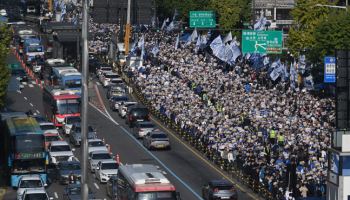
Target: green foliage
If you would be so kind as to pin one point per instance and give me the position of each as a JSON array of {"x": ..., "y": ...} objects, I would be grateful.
[
  {"x": 5, "y": 40},
  {"x": 307, "y": 16}
]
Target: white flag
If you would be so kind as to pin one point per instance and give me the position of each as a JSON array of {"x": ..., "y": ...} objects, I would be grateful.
[
  {"x": 216, "y": 45},
  {"x": 141, "y": 42},
  {"x": 228, "y": 38}
]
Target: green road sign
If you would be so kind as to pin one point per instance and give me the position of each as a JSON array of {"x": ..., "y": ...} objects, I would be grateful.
[
  {"x": 202, "y": 19},
  {"x": 270, "y": 42}
]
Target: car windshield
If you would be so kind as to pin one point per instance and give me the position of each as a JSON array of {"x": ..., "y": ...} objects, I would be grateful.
[
  {"x": 51, "y": 138},
  {"x": 76, "y": 83},
  {"x": 34, "y": 49},
  {"x": 30, "y": 184},
  {"x": 159, "y": 136},
  {"x": 31, "y": 165},
  {"x": 146, "y": 125},
  {"x": 72, "y": 120},
  {"x": 70, "y": 166},
  {"x": 101, "y": 156},
  {"x": 106, "y": 69},
  {"x": 36, "y": 196},
  {"x": 223, "y": 187},
  {"x": 109, "y": 166},
  {"x": 60, "y": 148},
  {"x": 117, "y": 81},
  {"x": 47, "y": 127},
  {"x": 74, "y": 191},
  {"x": 29, "y": 143},
  {"x": 111, "y": 76},
  {"x": 96, "y": 144},
  {"x": 156, "y": 196},
  {"x": 69, "y": 106},
  {"x": 120, "y": 98}
]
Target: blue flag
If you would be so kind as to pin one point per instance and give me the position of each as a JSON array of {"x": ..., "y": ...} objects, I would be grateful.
[{"x": 177, "y": 42}]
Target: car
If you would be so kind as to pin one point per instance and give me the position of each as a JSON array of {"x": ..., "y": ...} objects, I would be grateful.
[
  {"x": 106, "y": 78},
  {"x": 48, "y": 127},
  {"x": 136, "y": 113},
  {"x": 76, "y": 127},
  {"x": 156, "y": 140},
  {"x": 29, "y": 181},
  {"x": 37, "y": 64},
  {"x": 65, "y": 168},
  {"x": 141, "y": 128},
  {"x": 116, "y": 90},
  {"x": 73, "y": 192},
  {"x": 97, "y": 156},
  {"x": 123, "y": 108},
  {"x": 50, "y": 137},
  {"x": 111, "y": 187},
  {"x": 116, "y": 101},
  {"x": 75, "y": 136},
  {"x": 68, "y": 123},
  {"x": 60, "y": 151},
  {"x": 106, "y": 169},
  {"x": 35, "y": 194},
  {"x": 96, "y": 145},
  {"x": 102, "y": 69},
  {"x": 3, "y": 12},
  {"x": 20, "y": 74},
  {"x": 219, "y": 189}
]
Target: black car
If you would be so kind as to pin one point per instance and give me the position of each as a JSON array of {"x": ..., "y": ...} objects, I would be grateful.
[
  {"x": 65, "y": 168},
  {"x": 219, "y": 189},
  {"x": 20, "y": 73},
  {"x": 137, "y": 113}
]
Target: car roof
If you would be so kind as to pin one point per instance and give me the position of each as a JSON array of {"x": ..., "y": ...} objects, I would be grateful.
[
  {"x": 110, "y": 73},
  {"x": 95, "y": 140},
  {"x": 108, "y": 161},
  {"x": 144, "y": 122},
  {"x": 220, "y": 183},
  {"x": 68, "y": 162},
  {"x": 58, "y": 143},
  {"x": 99, "y": 152},
  {"x": 35, "y": 190}
]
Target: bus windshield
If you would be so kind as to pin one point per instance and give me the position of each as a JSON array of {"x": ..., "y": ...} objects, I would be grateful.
[
  {"x": 156, "y": 196},
  {"x": 69, "y": 106},
  {"x": 29, "y": 143},
  {"x": 26, "y": 166},
  {"x": 75, "y": 83},
  {"x": 34, "y": 49}
]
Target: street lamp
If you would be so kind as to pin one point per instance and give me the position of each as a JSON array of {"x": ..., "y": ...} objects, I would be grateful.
[{"x": 332, "y": 6}]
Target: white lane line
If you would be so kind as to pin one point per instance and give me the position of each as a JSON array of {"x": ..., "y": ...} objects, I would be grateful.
[
  {"x": 31, "y": 85},
  {"x": 56, "y": 195},
  {"x": 19, "y": 91},
  {"x": 98, "y": 83},
  {"x": 96, "y": 186},
  {"x": 31, "y": 104},
  {"x": 25, "y": 98},
  {"x": 150, "y": 153},
  {"x": 24, "y": 83},
  {"x": 38, "y": 111},
  {"x": 33, "y": 82}
]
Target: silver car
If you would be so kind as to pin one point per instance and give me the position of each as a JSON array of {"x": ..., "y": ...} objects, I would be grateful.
[
  {"x": 98, "y": 156},
  {"x": 156, "y": 140},
  {"x": 122, "y": 110}
]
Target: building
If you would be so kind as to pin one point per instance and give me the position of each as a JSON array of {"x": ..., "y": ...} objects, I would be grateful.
[{"x": 115, "y": 11}]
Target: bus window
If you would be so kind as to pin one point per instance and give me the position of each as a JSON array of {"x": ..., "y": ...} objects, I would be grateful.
[{"x": 68, "y": 106}]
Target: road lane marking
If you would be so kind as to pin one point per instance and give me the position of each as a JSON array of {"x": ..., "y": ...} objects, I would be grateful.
[
  {"x": 56, "y": 195},
  {"x": 38, "y": 111},
  {"x": 30, "y": 85},
  {"x": 31, "y": 104},
  {"x": 25, "y": 98},
  {"x": 101, "y": 102},
  {"x": 96, "y": 186},
  {"x": 24, "y": 83},
  {"x": 33, "y": 82},
  {"x": 150, "y": 153},
  {"x": 19, "y": 91},
  {"x": 98, "y": 83}
]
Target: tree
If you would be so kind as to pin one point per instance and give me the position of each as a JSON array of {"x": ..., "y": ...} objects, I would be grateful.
[
  {"x": 307, "y": 16},
  {"x": 5, "y": 40}
]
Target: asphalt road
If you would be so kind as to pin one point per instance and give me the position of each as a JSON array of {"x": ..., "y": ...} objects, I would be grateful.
[{"x": 185, "y": 168}]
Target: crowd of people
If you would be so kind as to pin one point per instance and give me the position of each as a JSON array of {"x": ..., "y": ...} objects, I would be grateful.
[
  {"x": 100, "y": 36},
  {"x": 276, "y": 134}
]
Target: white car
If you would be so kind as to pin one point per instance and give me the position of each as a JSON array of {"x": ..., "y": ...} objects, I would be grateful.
[
  {"x": 108, "y": 77},
  {"x": 96, "y": 145},
  {"x": 60, "y": 151},
  {"x": 39, "y": 194},
  {"x": 68, "y": 123},
  {"x": 102, "y": 70},
  {"x": 122, "y": 110},
  {"x": 3, "y": 12},
  {"x": 29, "y": 181},
  {"x": 105, "y": 169},
  {"x": 97, "y": 156},
  {"x": 48, "y": 127}
]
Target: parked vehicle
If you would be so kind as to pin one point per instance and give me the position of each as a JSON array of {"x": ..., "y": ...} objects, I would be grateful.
[
  {"x": 73, "y": 192},
  {"x": 156, "y": 140},
  {"x": 29, "y": 181},
  {"x": 66, "y": 168},
  {"x": 116, "y": 101},
  {"x": 137, "y": 113},
  {"x": 219, "y": 189},
  {"x": 60, "y": 151},
  {"x": 96, "y": 145},
  {"x": 97, "y": 156},
  {"x": 35, "y": 194},
  {"x": 123, "y": 108},
  {"x": 68, "y": 123},
  {"x": 106, "y": 169},
  {"x": 141, "y": 128}
]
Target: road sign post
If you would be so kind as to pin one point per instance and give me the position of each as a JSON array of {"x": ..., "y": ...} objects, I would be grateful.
[
  {"x": 329, "y": 69},
  {"x": 202, "y": 19},
  {"x": 263, "y": 42}
]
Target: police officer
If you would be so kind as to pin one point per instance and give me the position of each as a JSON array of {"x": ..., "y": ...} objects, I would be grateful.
[
  {"x": 272, "y": 136},
  {"x": 280, "y": 139}
]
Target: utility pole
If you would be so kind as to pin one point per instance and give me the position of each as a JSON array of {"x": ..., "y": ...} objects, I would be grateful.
[
  {"x": 84, "y": 101},
  {"x": 253, "y": 11},
  {"x": 127, "y": 29}
]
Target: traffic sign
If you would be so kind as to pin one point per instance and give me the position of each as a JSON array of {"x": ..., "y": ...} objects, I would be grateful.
[
  {"x": 329, "y": 69},
  {"x": 202, "y": 19},
  {"x": 269, "y": 42}
]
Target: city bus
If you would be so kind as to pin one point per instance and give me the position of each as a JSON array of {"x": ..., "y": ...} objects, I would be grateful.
[
  {"x": 60, "y": 103},
  {"x": 24, "y": 146},
  {"x": 33, "y": 49},
  {"x": 144, "y": 182},
  {"x": 67, "y": 77},
  {"x": 46, "y": 72}
]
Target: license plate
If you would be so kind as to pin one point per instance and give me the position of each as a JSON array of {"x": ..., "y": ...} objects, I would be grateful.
[
  {"x": 225, "y": 197},
  {"x": 140, "y": 120},
  {"x": 160, "y": 146}
]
